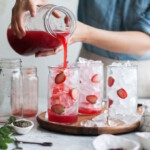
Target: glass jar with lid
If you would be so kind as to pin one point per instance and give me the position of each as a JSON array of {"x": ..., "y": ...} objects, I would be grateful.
[
  {"x": 45, "y": 31},
  {"x": 30, "y": 91},
  {"x": 10, "y": 88}
]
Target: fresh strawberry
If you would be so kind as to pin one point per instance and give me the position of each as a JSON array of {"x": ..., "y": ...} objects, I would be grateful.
[
  {"x": 111, "y": 81},
  {"x": 58, "y": 109},
  {"x": 60, "y": 78},
  {"x": 91, "y": 99},
  {"x": 74, "y": 93},
  {"x": 110, "y": 102},
  {"x": 95, "y": 78},
  {"x": 122, "y": 93}
]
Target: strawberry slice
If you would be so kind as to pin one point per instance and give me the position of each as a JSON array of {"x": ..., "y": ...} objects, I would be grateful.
[
  {"x": 95, "y": 78},
  {"x": 55, "y": 90},
  {"x": 111, "y": 81},
  {"x": 110, "y": 102},
  {"x": 91, "y": 99},
  {"x": 60, "y": 78},
  {"x": 60, "y": 88},
  {"x": 122, "y": 93},
  {"x": 58, "y": 109},
  {"x": 74, "y": 93}
]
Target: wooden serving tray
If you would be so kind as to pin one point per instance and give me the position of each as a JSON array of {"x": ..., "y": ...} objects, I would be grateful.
[{"x": 77, "y": 129}]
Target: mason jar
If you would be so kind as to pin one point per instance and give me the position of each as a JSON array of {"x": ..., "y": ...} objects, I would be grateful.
[
  {"x": 10, "y": 88},
  {"x": 45, "y": 31},
  {"x": 30, "y": 91}
]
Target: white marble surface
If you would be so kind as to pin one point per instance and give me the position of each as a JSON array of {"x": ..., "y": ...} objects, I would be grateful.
[{"x": 60, "y": 141}]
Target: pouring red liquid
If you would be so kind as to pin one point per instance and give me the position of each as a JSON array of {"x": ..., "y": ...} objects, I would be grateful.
[{"x": 35, "y": 41}]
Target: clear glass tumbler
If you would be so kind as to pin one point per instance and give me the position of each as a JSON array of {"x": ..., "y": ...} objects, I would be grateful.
[
  {"x": 91, "y": 87},
  {"x": 10, "y": 88},
  {"x": 63, "y": 94},
  {"x": 122, "y": 90},
  {"x": 30, "y": 91}
]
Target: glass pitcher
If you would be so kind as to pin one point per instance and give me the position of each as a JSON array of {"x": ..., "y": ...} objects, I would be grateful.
[
  {"x": 44, "y": 31},
  {"x": 10, "y": 88}
]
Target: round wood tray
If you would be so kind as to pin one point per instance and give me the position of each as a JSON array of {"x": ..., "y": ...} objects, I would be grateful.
[{"x": 77, "y": 129}]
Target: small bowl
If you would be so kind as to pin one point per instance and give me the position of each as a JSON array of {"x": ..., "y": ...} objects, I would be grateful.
[
  {"x": 144, "y": 138},
  {"x": 23, "y": 130}
]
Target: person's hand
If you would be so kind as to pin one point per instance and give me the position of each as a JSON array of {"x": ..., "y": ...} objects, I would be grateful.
[
  {"x": 76, "y": 37},
  {"x": 79, "y": 34},
  {"x": 48, "y": 52},
  {"x": 20, "y": 7}
]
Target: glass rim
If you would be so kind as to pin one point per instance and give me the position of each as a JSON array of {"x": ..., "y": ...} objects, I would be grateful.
[
  {"x": 93, "y": 63},
  {"x": 10, "y": 60},
  {"x": 28, "y": 67},
  {"x": 56, "y": 67},
  {"x": 29, "y": 71},
  {"x": 64, "y": 10},
  {"x": 132, "y": 66}
]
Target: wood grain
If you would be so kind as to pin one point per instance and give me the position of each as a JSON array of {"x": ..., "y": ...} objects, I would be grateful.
[{"x": 77, "y": 129}]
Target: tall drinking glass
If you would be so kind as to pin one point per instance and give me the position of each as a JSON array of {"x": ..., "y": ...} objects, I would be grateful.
[
  {"x": 91, "y": 87},
  {"x": 10, "y": 88},
  {"x": 122, "y": 90},
  {"x": 63, "y": 94},
  {"x": 30, "y": 91}
]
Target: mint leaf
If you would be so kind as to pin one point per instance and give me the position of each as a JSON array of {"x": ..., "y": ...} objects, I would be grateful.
[
  {"x": 11, "y": 119},
  {"x": 3, "y": 145},
  {"x": 11, "y": 130},
  {"x": 8, "y": 140},
  {"x": 5, "y": 132}
]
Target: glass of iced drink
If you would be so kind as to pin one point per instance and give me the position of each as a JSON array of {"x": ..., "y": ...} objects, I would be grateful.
[
  {"x": 122, "y": 89},
  {"x": 63, "y": 94},
  {"x": 91, "y": 86}
]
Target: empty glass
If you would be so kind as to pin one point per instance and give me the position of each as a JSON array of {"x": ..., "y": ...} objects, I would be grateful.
[
  {"x": 10, "y": 88},
  {"x": 30, "y": 91}
]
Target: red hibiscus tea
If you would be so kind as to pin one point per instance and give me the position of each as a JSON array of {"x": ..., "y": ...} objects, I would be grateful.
[
  {"x": 36, "y": 41},
  {"x": 63, "y": 94}
]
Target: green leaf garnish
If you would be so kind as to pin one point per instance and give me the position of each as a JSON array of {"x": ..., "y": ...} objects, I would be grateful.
[{"x": 5, "y": 132}]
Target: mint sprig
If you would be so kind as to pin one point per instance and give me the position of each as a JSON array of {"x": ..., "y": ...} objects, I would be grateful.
[{"x": 5, "y": 132}]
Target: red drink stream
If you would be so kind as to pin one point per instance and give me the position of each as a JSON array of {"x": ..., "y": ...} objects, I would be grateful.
[{"x": 64, "y": 42}]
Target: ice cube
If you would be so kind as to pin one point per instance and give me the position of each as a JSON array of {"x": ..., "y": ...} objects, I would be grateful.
[
  {"x": 88, "y": 61},
  {"x": 66, "y": 100}
]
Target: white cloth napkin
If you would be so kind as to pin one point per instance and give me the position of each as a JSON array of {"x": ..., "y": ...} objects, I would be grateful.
[
  {"x": 145, "y": 120},
  {"x": 108, "y": 141}
]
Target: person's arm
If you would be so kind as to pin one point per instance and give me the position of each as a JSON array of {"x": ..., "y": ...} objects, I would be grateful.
[
  {"x": 20, "y": 7},
  {"x": 127, "y": 42}
]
